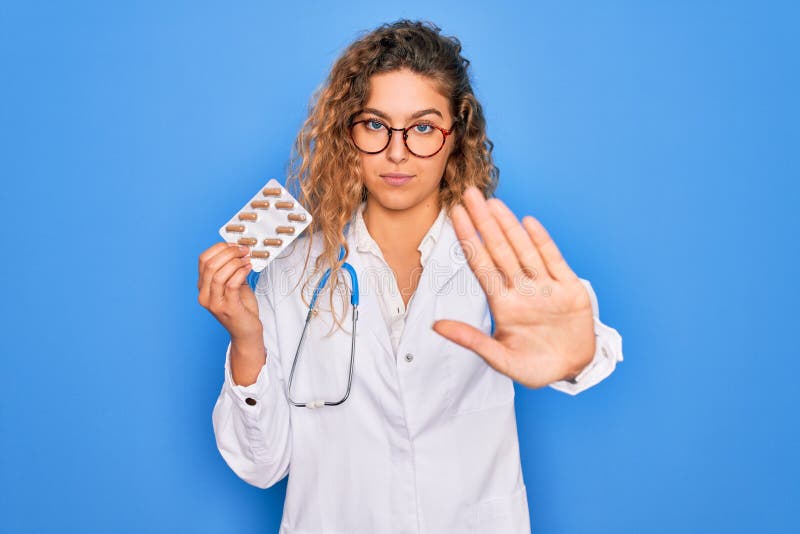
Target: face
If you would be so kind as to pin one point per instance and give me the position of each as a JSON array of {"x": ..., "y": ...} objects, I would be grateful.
[{"x": 400, "y": 99}]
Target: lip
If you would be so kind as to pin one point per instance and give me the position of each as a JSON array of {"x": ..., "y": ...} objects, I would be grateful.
[{"x": 396, "y": 178}]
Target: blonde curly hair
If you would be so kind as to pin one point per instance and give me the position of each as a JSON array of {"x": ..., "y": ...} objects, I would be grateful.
[{"x": 325, "y": 169}]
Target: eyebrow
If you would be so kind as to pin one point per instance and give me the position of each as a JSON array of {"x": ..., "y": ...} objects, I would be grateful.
[{"x": 414, "y": 115}]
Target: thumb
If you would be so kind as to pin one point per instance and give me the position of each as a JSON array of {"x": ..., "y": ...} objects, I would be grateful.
[{"x": 475, "y": 340}]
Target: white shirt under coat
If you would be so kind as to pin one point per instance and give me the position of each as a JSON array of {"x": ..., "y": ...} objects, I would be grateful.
[{"x": 427, "y": 440}]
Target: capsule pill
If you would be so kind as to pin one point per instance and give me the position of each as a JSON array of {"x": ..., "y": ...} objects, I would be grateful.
[
  {"x": 259, "y": 204},
  {"x": 250, "y": 241},
  {"x": 238, "y": 228},
  {"x": 272, "y": 242},
  {"x": 285, "y": 230},
  {"x": 263, "y": 254},
  {"x": 284, "y": 205},
  {"x": 297, "y": 217},
  {"x": 271, "y": 191},
  {"x": 248, "y": 216}
]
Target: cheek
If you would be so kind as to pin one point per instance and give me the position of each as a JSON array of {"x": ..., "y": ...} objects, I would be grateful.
[
  {"x": 366, "y": 164},
  {"x": 437, "y": 167}
]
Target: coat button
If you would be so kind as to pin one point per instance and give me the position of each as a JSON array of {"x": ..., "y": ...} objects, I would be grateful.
[
  {"x": 409, "y": 357},
  {"x": 250, "y": 401}
]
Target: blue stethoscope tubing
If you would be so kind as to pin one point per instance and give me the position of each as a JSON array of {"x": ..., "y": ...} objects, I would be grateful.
[{"x": 354, "y": 304}]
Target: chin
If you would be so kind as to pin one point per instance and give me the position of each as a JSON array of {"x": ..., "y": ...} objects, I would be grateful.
[{"x": 395, "y": 200}]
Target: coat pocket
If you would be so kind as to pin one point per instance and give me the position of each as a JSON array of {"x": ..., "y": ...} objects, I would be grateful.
[{"x": 508, "y": 514}]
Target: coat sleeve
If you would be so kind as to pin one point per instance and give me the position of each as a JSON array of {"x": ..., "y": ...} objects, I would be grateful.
[
  {"x": 608, "y": 352},
  {"x": 252, "y": 423}
]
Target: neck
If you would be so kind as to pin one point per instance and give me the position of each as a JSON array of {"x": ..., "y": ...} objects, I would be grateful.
[{"x": 400, "y": 230}]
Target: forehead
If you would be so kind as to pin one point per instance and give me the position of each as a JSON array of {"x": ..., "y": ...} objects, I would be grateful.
[{"x": 401, "y": 93}]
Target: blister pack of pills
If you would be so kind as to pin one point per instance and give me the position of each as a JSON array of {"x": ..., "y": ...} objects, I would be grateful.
[{"x": 267, "y": 224}]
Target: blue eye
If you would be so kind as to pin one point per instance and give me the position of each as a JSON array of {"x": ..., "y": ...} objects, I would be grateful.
[
  {"x": 428, "y": 126},
  {"x": 378, "y": 125}
]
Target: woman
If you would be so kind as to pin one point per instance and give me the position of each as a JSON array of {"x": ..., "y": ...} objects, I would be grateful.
[{"x": 395, "y": 167}]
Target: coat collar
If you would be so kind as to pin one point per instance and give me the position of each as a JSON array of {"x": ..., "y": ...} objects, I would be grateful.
[
  {"x": 445, "y": 261},
  {"x": 365, "y": 242}
]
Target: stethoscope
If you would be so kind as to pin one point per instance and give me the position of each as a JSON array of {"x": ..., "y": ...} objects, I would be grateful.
[{"x": 354, "y": 302}]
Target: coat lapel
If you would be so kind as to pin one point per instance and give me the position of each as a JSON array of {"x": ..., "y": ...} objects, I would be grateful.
[
  {"x": 369, "y": 312},
  {"x": 446, "y": 260}
]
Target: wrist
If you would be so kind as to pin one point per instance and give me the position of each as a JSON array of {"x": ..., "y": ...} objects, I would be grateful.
[
  {"x": 579, "y": 368},
  {"x": 248, "y": 345},
  {"x": 252, "y": 337}
]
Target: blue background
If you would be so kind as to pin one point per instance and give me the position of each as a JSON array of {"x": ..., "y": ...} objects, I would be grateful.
[{"x": 657, "y": 141}]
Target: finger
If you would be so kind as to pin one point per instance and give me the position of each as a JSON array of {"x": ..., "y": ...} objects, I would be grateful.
[
  {"x": 211, "y": 266},
  {"x": 475, "y": 340},
  {"x": 553, "y": 260},
  {"x": 496, "y": 243},
  {"x": 210, "y": 252},
  {"x": 235, "y": 283},
  {"x": 220, "y": 279},
  {"x": 529, "y": 257},
  {"x": 207, "y": 256},
  {"x": 478, "y": 258}
]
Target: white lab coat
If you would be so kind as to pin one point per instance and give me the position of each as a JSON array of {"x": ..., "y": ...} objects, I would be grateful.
[{"x": 426, "y": 443}]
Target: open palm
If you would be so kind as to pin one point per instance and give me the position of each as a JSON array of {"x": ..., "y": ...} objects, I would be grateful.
[{"x": 544, "y": 330}]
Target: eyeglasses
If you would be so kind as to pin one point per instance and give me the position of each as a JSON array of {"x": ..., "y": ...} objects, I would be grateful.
[{"x": 422, "y": 139}]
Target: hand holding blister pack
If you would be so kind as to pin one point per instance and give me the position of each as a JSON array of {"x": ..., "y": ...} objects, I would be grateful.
[{"x": 267, "y": 223}]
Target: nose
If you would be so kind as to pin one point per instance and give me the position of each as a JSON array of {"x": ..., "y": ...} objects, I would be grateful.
[{"x": 397, "y": 152}]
